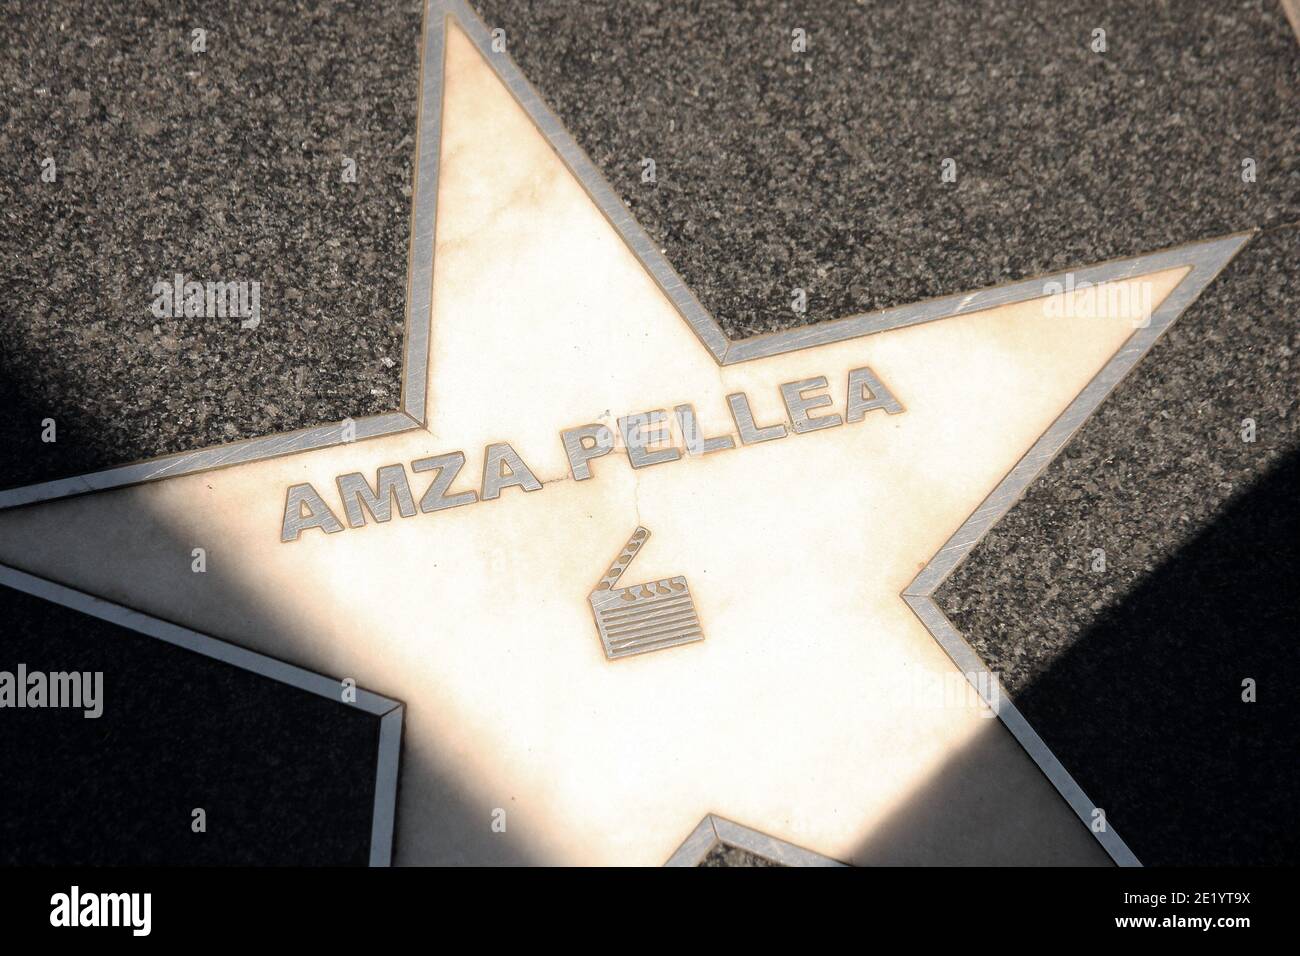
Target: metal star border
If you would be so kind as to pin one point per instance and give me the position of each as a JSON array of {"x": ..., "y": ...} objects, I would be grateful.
[{"x": 1205, "y": 259}]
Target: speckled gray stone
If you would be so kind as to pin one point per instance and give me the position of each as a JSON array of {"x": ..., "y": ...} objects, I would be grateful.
[
  {"x": 222, "y": 165},
  {"x": 724, "y": 854},
  {"x": 821, "y": 170},
  {"x": 1133, "y": 675}
]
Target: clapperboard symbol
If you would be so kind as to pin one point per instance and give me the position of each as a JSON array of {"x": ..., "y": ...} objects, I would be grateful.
[{"x": 643, "y": 617}]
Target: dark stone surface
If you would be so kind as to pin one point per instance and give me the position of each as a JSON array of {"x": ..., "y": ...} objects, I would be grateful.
[
  {"x": 822, "y": 170},
  {"x": 723, "y": 854},
  {"x": 224, "y": 165},
  {"x": 285, "y": 777},
  {"x": 1133, "y": 676}
]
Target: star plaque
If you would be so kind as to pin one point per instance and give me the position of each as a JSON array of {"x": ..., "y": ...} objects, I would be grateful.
[{"x": 637, "y": 587}]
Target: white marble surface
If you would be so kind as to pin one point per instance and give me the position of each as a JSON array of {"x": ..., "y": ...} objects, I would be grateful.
[{"x": 806, "y": 713}]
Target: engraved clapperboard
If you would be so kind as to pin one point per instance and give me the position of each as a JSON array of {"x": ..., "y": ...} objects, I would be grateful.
[{"x": 642, "y": 617}]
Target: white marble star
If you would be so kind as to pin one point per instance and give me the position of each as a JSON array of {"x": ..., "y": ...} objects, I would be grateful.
[{"x": 819, "y": 708}]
